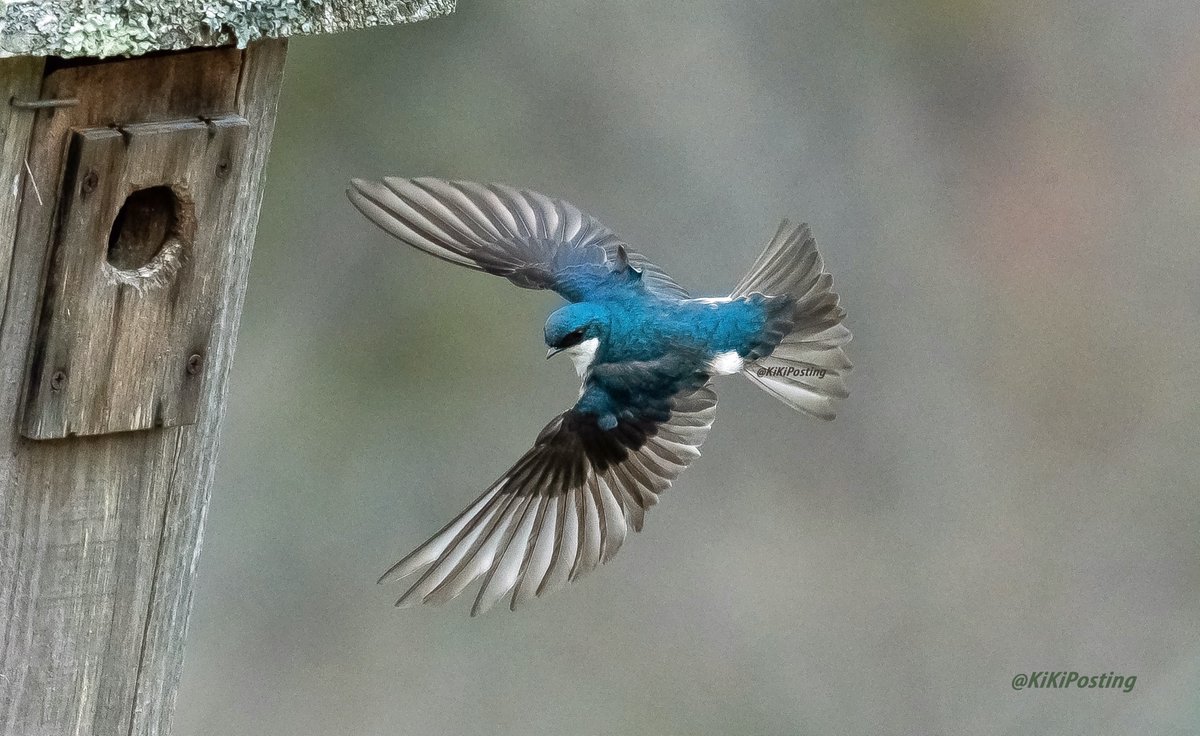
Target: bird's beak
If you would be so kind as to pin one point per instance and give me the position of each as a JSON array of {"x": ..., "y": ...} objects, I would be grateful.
[{"x": 553, "y": 352}]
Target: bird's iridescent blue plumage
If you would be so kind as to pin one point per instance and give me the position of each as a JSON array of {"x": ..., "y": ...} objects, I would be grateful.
[{"x": 652, "y": 345}]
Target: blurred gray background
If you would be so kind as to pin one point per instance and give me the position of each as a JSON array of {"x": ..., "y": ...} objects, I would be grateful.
[{"x": 1007, "y": 194}]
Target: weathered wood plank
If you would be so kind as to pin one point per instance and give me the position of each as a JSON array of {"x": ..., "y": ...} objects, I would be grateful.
[
  {"x": 135, "y": 273},
  {"x": 20, "y": 79},
  {"x": 99, "y": 535},
  {"x": 166, "y": 627}
]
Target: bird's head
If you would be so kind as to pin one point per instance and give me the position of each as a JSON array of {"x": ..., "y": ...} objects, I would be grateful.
[{"x": 577, "y": 329}]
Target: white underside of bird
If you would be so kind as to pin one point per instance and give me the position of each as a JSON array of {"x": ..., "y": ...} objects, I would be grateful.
[{"x": 726, "y": 364}]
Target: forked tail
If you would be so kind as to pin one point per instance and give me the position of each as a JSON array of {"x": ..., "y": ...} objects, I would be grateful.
[{"x": 807, "y": 368}]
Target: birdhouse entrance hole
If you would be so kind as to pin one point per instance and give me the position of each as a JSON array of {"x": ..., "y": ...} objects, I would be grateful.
[{"x": 148, "y": 221}]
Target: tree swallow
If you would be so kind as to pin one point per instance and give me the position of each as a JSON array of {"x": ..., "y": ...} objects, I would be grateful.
[{"x": 647, "y": 353}]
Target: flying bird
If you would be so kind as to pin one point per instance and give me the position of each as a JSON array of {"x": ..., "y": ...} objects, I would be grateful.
[{"x": 647, "y": 353}]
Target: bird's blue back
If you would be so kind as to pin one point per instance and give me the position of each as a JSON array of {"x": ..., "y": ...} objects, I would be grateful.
[
  {"x": 659, "y": 346},
  {"x": 645, "y": 326}
]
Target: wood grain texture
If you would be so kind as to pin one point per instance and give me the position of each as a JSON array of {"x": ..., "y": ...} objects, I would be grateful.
[
  {"x": 99, "y": 536},
  {"x": 134, "y": 277},
  {"x": 20, "y": 79}
]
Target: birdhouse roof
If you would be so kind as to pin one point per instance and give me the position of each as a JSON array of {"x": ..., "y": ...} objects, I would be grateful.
[{"x": 101, "y": 28}]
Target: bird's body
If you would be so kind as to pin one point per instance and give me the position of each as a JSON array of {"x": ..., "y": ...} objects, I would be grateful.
[
  {"x": 655, "y": 346},
  {"x": 646, "y": 351}
]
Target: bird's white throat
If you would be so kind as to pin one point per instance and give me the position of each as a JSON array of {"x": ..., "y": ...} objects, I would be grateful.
[{"x": 583, "y": 354}]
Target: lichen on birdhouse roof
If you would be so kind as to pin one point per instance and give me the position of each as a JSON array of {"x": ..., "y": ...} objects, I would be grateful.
[{"x": 103, "y": 28}]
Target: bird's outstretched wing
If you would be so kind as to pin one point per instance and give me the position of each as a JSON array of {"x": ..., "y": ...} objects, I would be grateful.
[
  {"x": 564, "y": 507},
  {"x": 535, "y": 241}
]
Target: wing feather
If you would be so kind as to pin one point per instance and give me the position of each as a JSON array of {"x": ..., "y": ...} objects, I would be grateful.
[
  {"x": 533, "y": 240},
  {"x": 502, "y": 575},
  {"x": 537, "y": 558},
  {"x": 563, "y": 509}
]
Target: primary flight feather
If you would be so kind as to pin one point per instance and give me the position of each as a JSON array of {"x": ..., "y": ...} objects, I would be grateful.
[{"x": 646, "y": 351}]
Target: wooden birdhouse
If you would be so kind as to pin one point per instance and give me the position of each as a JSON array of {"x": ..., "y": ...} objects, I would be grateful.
[{"x": 133, "y": 141}]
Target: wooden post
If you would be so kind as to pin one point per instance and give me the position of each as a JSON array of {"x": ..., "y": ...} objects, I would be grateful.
[
  {"x": 129, "y": 196},
  {"x": 99, "y": 534}
]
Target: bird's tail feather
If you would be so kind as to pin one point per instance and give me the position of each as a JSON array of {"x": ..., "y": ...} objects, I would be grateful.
[{"x": 807, "y": 368}]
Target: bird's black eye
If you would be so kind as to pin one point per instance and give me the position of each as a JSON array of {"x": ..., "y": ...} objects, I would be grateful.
[{"x": 574, "y": 337}]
